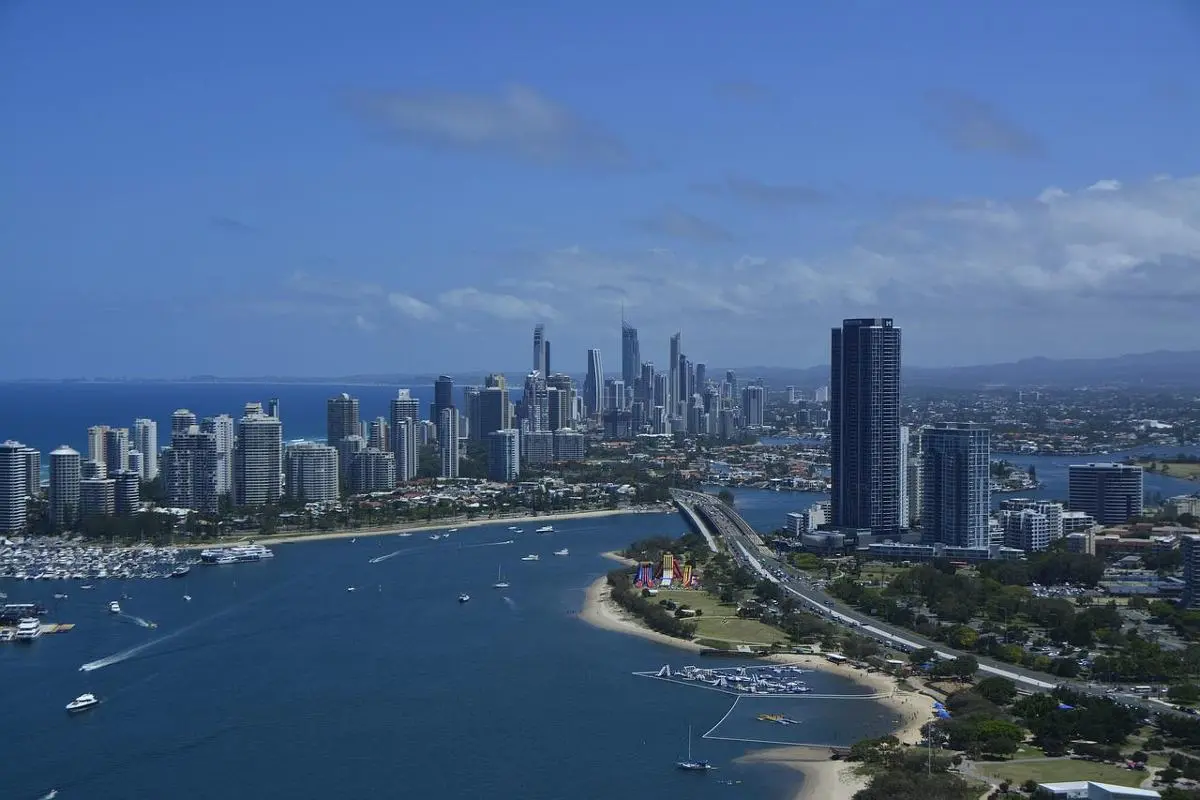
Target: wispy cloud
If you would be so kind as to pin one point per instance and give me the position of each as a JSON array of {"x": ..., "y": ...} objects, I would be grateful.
[
  {"x": 682, "y": 225},
  {"x": 766, "y": 195},
  {"x": 970, "y": 124},
  {"x": 499, "y": 305},
  {"x": 410, "y": 306},
  {"x": 518, "y": 122}
]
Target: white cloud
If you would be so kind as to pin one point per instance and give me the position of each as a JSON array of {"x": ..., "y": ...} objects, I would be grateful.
[
  {"x": 501, "y": 306},
  {"x": 410, "y": 306}
]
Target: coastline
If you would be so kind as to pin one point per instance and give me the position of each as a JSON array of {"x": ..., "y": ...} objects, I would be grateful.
[
  {"x": 823, "y": 779},
  {"x": 293, "y": 537}
]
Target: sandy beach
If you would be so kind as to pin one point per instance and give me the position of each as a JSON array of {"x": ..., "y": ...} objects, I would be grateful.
[
  {"x": 823, "y": 779},
  {"x": 292, "y": 537}
]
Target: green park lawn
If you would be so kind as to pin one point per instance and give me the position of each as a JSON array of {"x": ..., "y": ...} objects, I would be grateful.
[
  {"x": 1187, "y": 470},
  {"x": 721, "y": 622},
  {"x": 1053, "y": 770}
]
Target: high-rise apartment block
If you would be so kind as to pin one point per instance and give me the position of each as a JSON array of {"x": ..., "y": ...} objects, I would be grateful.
[
  {"x": 64, "y": 487},
  {"x": 116, "y": 450},
  {"x": 182, "y": 420},
  {"x": 145, "y": 441},
  {"x": 258, "y": 458},
  {"x": 865, "y": 425},
  {"x": 504, "y": 455},
  {"x": 448, "y": 442},
  {"x": 312, "y": 472},
  {"x": 593, "y": 384},
  {"x": 1112, "y": 493},
  {"x": 956, "y": 484},
  {"x": 13, "y": 487},
  {"x": 404, "y": 414},
  {"x": 190, "y": 468},
  {"x": 223, "y": 431},
  {"x": 341, "y": 419}
]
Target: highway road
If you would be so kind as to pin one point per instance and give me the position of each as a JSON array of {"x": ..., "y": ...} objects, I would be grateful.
[{"x": 744, "y": 545}]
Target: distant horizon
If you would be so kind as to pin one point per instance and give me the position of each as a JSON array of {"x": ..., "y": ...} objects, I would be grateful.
[{"x": 376, "y": 379}]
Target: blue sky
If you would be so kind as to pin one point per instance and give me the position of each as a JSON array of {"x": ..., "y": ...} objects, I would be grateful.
[{"x": 325, "y": 189}]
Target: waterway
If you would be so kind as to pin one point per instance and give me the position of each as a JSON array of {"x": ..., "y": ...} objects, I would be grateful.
[{"x": 275, "y": 681}]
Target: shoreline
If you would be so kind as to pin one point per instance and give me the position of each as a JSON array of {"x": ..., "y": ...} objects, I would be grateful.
[
  {"x": 415, "y": 527},
  {"x": 824, "y": 779}
]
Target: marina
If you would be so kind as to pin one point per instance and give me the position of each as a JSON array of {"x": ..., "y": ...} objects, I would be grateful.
[
  {"x": 56, "y": 558},
  {"x": 757, "y": 680},
  {"x": 238, "y": 554}
]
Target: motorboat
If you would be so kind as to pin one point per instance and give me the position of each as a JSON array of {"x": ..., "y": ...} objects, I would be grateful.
[
  {"x": 28, "y": 629},
  {"x": 350, "y": 589},
  {"x": 180, "y": 572},
  {"x": 512, "y": 527},
  {"x": 464, "y": 597},
  {"x": 518, "y": 530},
  {"x": 60, "y": 597},
  {"x": 87, "y": 586},
  {"x": 82, "y": 703},
  {"x": 500, "y": 582},
  {"x": 452, "y": 530},
  {"x": 114, "y": 607},
  {"x": 563, "y": 552},
  {"x": 434, "y": 537},
  {"x": 532, "y": 557},
  {"x": 187, "y": 597},
  {"x": 545, "y": 529}
]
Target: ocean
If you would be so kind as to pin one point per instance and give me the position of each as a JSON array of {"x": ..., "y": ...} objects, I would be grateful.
[{"x": 275, "y": 681}]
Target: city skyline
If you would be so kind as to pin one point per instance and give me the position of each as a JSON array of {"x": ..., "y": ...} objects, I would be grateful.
[{"x": 994, "y": 199}]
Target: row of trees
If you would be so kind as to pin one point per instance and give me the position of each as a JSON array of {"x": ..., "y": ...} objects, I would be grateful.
[{"x": 657, "y": 617}]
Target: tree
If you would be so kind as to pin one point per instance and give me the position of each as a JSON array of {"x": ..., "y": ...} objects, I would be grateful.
[
  {"x": 1184, "y": 693},
  {"x": 998, "y": 690}
]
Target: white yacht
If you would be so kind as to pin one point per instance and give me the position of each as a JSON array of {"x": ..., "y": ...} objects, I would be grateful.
[
  {"x": 545, "y": 529},
  {"x": 532, "y": 557},
  {"x": 82, "y": 703},
  {"x": 114, "y": 607},
  {"x": 452, "y": 530},
  {"x": 563, "y": 552},
  {"x": 28, "y": 629},
  {"x": 464, "y": 597}
]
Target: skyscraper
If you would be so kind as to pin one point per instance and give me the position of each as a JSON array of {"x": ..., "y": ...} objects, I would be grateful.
[
  {"x": 536, "y": 402},
  {"x": 341, "y": 418},
  {"x": 380, "y": 435},
  {"x": 593, "y": 384},
  {"x": 116, "y": 449},
  {"x": 443, "y": 397},
  {"x": 674, "y": 400},
  {"x": 864, "y": 425},
  {"x": 956, "y": 484},
  {"x": 258, "y": 458},
  {"x": 64, "y": 487},
  {"x": 312, "y": 472},
  {"x": 504, "y": 455},
  {"x": 448, "y": 442},
  {"x": 13, "y": 489},
  {"x": 539, "y": 348},
  {"x": 222, "y": 429},
  {"x": 145, "y": 441},
  {"x": 631, "y": 353},
  {"x": 181, "y": 420},
  {"x": 191, "y": 470},
  {"x": 494, "y": 410},
  {"x": 404, "y": 414},
  {"x": 753, "y": 406}
]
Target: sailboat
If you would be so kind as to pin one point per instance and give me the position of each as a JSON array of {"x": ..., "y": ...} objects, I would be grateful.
[
  {"x": 693, "y": 766},
  {"x": 500, "y": 582}
]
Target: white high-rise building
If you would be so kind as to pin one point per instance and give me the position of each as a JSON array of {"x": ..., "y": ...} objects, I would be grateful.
[
  {"x": 405, "y": 412},
  {"x": 374, "y": 471},
  {"x": 145, "y": 441},
  {"x": 13, "y": 487},
  {"x": 95, "y": 436},
  {"x": 189, "y": 469},
  {"x": 137, "y": 463},
  {"x": 905, "y": 506},
  {"x": 116, "y": 450},
  {"x": 64, "y": 487},
  {"x": 182, "y": 420},
  {"x": 221, "y": 427},
  {"x": 312, "y": 472},
  {"x": 97, "y": 497},
  {"x": 448, "y": 442},
  {"x": 258, "y": 458},
  {"x": 33, "y": 472}
]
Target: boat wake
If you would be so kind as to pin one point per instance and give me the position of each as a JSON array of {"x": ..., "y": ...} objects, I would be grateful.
[
  {"x": 145, "y": 623},
  {"x": 510, "y": 602},
  {"x": 395, "y": 553},
  {"x": 486, "y": 544}
]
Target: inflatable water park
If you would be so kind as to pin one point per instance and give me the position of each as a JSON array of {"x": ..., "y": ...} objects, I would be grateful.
[{"x": 670, "y": 573}]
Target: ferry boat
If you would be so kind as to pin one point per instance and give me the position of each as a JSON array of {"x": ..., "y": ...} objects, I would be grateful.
[
  {"x": 563, "y": 552},
  {"x": 545, "y": 529},
  {"x": 13, "y": 612},
  {"x": 179, "y": 572},
  {"x": 28, "y": 629},
  {"x": 82, "y": 703},
  {"x": 114, "y": 607},
  {"x": 532, "y": 557},
  {"x": 238, "y": 554}
]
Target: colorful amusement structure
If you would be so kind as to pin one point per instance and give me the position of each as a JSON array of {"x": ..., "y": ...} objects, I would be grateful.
[{"x": 670, "y": 573}]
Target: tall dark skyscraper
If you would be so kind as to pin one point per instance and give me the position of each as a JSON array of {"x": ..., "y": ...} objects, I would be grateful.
[
  {"x": 546, "y": 358},
  {"x": 341, "y": 418},
  {"x": 539, "y": 349},
  {"x": 673, "y": 400},
  {"x": 593, "y": 384},
  {"x": 631, "y": 354},
  {"x": 443, "y": 397},
  {"x": 864, "y": 424}
]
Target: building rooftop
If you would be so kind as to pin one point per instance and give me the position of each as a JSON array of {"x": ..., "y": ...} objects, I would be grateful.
[{"x": 1086, "y": 787}]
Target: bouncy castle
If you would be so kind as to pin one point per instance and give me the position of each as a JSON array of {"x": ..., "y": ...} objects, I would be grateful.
[{"x": 670, "y": 573}]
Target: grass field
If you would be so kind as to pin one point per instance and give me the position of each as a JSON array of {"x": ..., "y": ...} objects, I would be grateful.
[
  {"x": 720, "y": 622},
  {"x": 1061, "y": 769},
  {"x": 1186, "y": 470}
]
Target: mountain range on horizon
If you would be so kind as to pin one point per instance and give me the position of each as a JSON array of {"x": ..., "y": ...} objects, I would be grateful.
[{"x": 1160, "y": 368}]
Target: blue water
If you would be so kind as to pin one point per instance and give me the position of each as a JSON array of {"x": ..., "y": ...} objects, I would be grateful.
[{"x": 277, "y": 682}]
